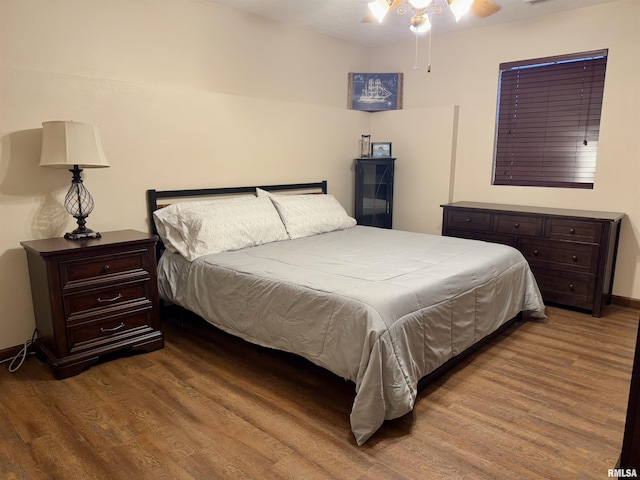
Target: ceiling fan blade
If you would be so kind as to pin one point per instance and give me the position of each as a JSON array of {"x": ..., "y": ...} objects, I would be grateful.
[
  {"x": 395, "y": 4},
  {"x": 484, "y": 8}
]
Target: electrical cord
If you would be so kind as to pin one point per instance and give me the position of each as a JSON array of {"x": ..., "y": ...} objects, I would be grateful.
[{"x": 21, "y": 355}]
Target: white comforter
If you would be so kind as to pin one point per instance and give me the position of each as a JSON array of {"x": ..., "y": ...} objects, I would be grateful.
[{"x": 382, "y": 308}]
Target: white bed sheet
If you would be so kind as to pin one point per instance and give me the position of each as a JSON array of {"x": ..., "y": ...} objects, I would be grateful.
[{"x": 382, "y": 308}]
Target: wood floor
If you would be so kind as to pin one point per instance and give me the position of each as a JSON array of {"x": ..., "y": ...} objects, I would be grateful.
[{"x": 545, "y": 400}]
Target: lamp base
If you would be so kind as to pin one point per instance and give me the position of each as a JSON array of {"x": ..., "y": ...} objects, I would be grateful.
[
  {"x": 82, "y": 231},
  {"x": 79, "y": 234}
]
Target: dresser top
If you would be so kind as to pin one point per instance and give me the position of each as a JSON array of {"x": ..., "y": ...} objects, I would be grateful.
[
  {"x": 560, "y": 212},
  {"x": 61, "y": 244}
]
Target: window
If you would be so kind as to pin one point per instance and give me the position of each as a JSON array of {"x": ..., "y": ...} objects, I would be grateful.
[{"x": 548, "y": 121}]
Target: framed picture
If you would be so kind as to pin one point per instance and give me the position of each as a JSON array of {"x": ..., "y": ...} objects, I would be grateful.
[
  {"x": 375, "y": 92},
  {"x": 380, "y": 149}
]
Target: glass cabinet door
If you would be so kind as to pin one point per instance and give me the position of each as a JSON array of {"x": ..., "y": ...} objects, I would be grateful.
[{"x": 374, "y": 192}]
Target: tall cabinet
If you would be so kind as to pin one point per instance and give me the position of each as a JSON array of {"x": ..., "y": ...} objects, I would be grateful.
[{"x": 374, "y": 191}]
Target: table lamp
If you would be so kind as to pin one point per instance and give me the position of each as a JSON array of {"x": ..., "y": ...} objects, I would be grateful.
[{"x": 74, "y": 145}]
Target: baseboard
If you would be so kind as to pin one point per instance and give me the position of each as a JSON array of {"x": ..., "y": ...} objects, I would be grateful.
[
  {"x": 10, "y": 352},
  {"x": 625, "y": 302}
]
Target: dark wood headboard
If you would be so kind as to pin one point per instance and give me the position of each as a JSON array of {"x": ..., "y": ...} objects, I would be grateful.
[{"x": 153, "y": 196}]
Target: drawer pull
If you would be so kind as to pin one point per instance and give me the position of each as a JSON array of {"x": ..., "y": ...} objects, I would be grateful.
[
  {"x": 106, "y": 268},
  {"x": 536, "y": 253},
  {"x": 108, "y": 300},
  {"x": 468, "y": 220},
  {"x": 574, "y": 258},
  {"x": 114, "y": 329},
  {"x": 572, "y": 231},
  {"x": 571, "y": 286},
  {"x": 516, "y": 225}
]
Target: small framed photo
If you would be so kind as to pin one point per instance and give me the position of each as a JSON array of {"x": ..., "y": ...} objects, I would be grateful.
[
  {"x": 380, "y": 149},
  {"x": 375, "y": 92}
]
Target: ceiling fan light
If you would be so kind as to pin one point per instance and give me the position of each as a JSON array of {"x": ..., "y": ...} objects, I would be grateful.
[
  {"x": 460, "y": 7},
  {"x": 379, "y": 9},
  {"x": 420, "y": 24}
]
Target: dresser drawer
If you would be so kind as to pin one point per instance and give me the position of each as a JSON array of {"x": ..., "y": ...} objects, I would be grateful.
[
  {"x": 95, "y": 300},
  {"x": 469, "y": 220},
  {"x": 565, "y": 287},
  {"x": 104, "y": 267},
  {"x": 518, "y": 225},
  {"x": 102, "y": 332},
  {"x": 566, "y": 229},
  {"x": 582, "y": 257},
  {"x": 484, "y": 236}
]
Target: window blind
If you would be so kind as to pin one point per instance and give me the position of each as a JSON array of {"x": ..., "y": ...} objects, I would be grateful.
[{"x": 548, "y": 120}]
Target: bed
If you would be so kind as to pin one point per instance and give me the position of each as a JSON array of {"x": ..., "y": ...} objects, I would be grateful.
[{"x": 382, "y": 308}]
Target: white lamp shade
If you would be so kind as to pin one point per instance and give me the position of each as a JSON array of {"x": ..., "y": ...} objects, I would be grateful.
[
  {"x": 460, "y": 7},
  {"x": 65, "y": 144},
  {"x": 379, "y": 9}
]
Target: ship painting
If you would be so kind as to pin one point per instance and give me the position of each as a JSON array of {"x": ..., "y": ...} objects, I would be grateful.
[{"x": 374, "y": 92}]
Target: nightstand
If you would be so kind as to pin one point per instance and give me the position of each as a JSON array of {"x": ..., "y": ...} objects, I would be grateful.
[{"x": 93, "y": 297}]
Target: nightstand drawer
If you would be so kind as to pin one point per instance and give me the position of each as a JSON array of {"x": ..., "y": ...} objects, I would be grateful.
[
  {"x": 103, "y": 267},
  {"x": 98, "y": 333},
  {"x": 469, "y": 220},
  {"x": 565, "y": 229},
  {"x": 561, "y": 255},
  {"x": 517, "y": 225},
  {"x": 93, "y": 301}
]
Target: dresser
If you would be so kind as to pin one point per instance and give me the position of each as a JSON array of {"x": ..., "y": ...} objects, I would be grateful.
[
  {"x": 93, "y": 297},
  {"x": 374, "y": 191},
  {"x": 572, "y": 253}
]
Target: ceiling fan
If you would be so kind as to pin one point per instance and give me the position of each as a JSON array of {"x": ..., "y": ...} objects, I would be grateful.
[
  {"x": 423, "y": 11},
  {"x": 378, "y": 9}
]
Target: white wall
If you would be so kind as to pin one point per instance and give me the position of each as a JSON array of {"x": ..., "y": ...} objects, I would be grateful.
[
  {"x": 185, "y": 97},
  {"x": 422, "y": 141}
]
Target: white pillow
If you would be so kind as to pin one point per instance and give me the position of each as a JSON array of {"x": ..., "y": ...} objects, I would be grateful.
[
  {"x": 199, "y": 228},
  {"x": 306, "y": 215}
]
